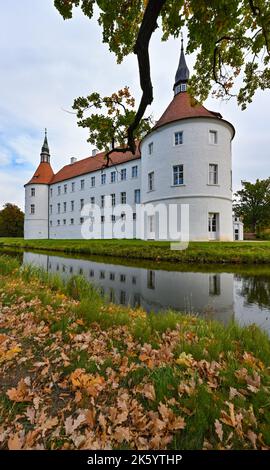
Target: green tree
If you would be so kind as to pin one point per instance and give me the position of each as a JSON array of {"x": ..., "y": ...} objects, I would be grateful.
[
  {"x": 108, "y": 126},
  {"x": 230, "y": 37},
  {"x": 253, "y": 204},
  {"x": 11, "y": 221}
]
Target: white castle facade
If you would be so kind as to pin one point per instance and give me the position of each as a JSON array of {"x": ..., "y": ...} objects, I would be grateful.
[{"x": 185, "y": 161}]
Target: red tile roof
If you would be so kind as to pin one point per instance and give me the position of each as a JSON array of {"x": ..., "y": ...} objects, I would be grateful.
[
  {"x": 42, "y": 175},
  {"x": 183, "y": 107},
  {"x": 90, "y": 164}
]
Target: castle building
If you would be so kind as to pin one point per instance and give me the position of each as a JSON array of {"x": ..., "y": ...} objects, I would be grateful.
[{"x": 184, "y": 160}]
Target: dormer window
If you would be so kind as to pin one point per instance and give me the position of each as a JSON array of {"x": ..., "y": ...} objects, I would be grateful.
[{"x": 183, "y": 87}]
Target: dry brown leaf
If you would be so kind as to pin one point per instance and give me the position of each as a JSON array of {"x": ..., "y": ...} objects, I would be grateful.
[
  {"x": 149, "y": 392},
  {"x": 15, "y": 442},
  {"x": 122, "y": 434},
  {"x": 21, "y": 393},
  {"x": 219, "y": 429},
  {"x": 252, "y": 437}
]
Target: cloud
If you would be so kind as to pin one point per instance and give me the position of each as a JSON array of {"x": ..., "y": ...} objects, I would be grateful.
[{"x": 46, "y": 62}]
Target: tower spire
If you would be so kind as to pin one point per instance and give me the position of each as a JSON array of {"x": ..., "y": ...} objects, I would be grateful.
[
  {"x": 45, "y": 152},
  {"x": 182, "y": 73}
]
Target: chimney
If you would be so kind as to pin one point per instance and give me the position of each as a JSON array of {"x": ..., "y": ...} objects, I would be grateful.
[
  {"x": 94, "y": 152},
  {"x": 73, "y": 160}
]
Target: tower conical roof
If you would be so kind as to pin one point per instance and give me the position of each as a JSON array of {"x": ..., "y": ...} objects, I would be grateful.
[{"x": 182, "y": 73}]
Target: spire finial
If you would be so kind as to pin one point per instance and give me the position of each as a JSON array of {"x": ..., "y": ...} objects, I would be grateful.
[
  {"x": 182, "y": 42},
  {"x": 45, "y": 131}
]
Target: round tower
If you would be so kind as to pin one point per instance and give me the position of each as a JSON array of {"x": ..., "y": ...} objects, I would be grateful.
[
  {"x": 186, "y": 159},
  {"x": 36, "y": 219}
]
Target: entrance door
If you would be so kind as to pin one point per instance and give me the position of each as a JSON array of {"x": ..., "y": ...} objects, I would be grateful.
[{"x": 213, "y": 226}]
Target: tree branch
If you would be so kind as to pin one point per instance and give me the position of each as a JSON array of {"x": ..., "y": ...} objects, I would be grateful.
[{"x": 141, "y": 49}]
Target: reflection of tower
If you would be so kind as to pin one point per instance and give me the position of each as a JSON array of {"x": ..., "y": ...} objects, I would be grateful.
[
  {"x": 186, "y": 159},
  {"x": 36, "y": 221}
]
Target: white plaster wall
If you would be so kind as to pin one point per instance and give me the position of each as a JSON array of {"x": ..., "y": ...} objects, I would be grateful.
[
  {"x": 36, "y": 225},
  {"x": 196, "y": 153},
  {"x": 69, "y": 231}
]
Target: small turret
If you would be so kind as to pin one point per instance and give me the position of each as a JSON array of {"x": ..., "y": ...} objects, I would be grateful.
[
  {"x": 45, "y": 152},
  {"x": 36, "y": 220},
  {"x": 182, "y": 73}
]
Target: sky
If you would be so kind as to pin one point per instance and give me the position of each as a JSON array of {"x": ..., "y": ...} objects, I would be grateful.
[{"x": 46, "y": 62}]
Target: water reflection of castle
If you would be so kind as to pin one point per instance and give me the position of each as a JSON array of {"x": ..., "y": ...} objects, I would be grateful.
[{"x": 210, "y": 293}]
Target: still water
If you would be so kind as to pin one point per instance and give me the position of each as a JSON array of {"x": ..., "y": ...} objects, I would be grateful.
[{"x": 222, "y": 296}]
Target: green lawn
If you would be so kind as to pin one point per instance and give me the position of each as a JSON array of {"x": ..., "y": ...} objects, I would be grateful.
[{"x": 197, "y": 252}]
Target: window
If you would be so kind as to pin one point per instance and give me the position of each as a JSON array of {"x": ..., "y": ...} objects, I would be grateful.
[
  {"x": 151, "y": 223},
  {"x": 64, "y": 221},
  {"x": 82, "y": 203},
  {"x": 72, "y": 205},
  {"x": 103, "y": 178},
  {"x": 214, "y": 284},
  {"x": 177, "y": 89},
  {"x": 123, "y": 198},
  {"x": 178, "y": 175},
  {"x": 82, "y": 184},
  {"x": 137, "y": 300},
  {"x": 33, "y": 192},
  {"x": 150, "y": 148},
  {"x": 151, "y": 279},
  {"x": 102, "y": 219},
  {"x": 183, "y": 87},
  {"x": 32, "y": 209},
  {"x": 113, "y": 199},
  {"x": 112, "y": 276},
  {"x": 213, "y": 173},
  {"x": 137, "y": 196},
  {"x": 123, "y": 174},
  {"x": 93, "y": 181},
  {"x": 113, "y": 176},
  {"x": 58, "y": 190},
  {"x": 50, "y": 208},
  {"x": 151, "y": 181},
  {"x": 73, "y": 187},
  {"x": 134, "y": 216},
  {"x": 58, "y": 208},
  {"x": 112, "y": 296},
  {"x": 51, "y": 192},
  {"x": 65, "y": 207},
  {"x": 122, "y": 297},
  {"x": 65, "y": 188},
  {"x": 134, "y": 280},
  {"x": 102, "y": 200},
  {"x": 91, "y": 273},
  {"x": 58, "y": 222},
  {"x": 92, "y": 200},
  {"x": 113, "y": 218},
  {"x": 81, "y": 220},
  {"x": 178, "y": 138},
  {"x": 50, "y": 223},
  {"x": 134, "y": 172},
  {"x": 213, "y": 137},
  {"x": 71, "y": 221},
  {"x": 122, "y": 278},
  {"x": 212, "y": 222}
]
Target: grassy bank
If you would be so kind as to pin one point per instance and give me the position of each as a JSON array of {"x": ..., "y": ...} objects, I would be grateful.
[
  {"x": 77, "y": 373},
  {"x": 197, "y": 252}
]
